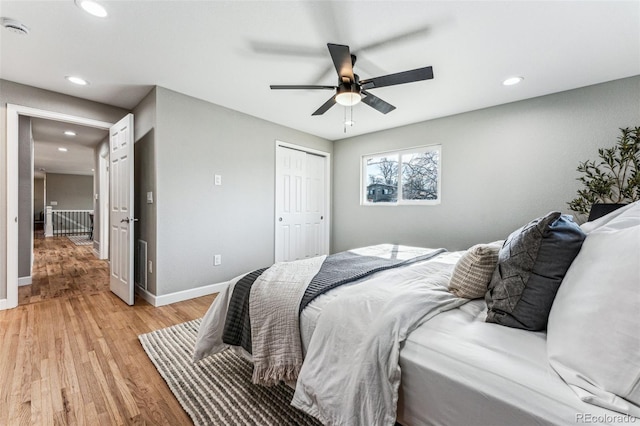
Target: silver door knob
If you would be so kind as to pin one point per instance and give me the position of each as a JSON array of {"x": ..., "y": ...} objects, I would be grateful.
[{"x": 126, "y": 219}]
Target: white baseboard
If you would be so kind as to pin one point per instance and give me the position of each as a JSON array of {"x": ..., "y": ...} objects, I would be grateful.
[
  {"x": 179, "y": 296},
  {"x": 24, "y": 281}
]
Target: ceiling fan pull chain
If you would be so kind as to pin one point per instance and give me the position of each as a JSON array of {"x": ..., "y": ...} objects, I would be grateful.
[
  {"x": 345, "y": 120},
  {"x": 351, "y": 122}
]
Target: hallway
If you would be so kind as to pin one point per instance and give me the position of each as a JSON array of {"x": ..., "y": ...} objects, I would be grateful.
[
  {"x": 61, "y": 269},
  {"x": 70, "y": 350}
]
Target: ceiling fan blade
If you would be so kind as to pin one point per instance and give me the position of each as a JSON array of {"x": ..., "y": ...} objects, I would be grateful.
[
  {"x": 396, "y": 39},
  {"x": 376, "y": 103},
  {"x": 342, "y": 60},
  {"x": 419, "y": 74},
  {"x": 286, "y": 50},
  {"x": 325, "y": 107},
  {"x": 295, "y": 87}
]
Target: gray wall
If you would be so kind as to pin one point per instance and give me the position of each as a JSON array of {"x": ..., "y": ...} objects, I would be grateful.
[
  {"x": 19, "y": 94},
  {"x": 194, "y": 140},
  {"x": 501, "y": 167},
  {"x": 145, "y": 181},
  {"x": 71, "y": 192},
  {"x": 38, "y": 198},
  {"x": 25, "y": 185}
]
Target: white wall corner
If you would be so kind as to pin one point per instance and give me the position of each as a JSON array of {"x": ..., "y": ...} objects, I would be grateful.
[{"x": 179, "y": 296}]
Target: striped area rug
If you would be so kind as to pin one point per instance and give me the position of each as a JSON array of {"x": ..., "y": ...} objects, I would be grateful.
[{"x": 217, "y": 390}]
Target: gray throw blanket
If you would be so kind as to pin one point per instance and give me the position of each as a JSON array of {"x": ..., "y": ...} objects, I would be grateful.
[
  {"x": 337, "y": 269},
  {"x": 275, "y": 328}
]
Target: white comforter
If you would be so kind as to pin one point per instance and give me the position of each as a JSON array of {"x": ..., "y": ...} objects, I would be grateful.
[
  {"x": 350, "y": 374},
  {"x": 352, "y": 336}
]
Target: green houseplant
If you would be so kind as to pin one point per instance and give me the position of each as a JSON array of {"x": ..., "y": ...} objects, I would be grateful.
[{"x": 615, "y": 178}]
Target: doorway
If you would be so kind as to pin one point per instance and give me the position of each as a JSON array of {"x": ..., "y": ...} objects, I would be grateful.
[
  {"x": 302, "y": 202},
  {"x": 13, "y": 115}
]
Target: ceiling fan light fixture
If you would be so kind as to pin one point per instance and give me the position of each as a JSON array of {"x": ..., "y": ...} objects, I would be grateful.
[{"x": 348, "y": 95}]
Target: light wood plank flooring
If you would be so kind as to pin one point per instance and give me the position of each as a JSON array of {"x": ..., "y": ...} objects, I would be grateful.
[
  {"x": 76, "y": 359},
  {"x": 61, "y": 268}
]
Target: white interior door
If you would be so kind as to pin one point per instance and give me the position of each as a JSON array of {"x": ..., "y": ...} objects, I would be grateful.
[
  {"x": 103, "y": 205},
  {"x": 121, "y": 219},
  {"x": 301, "y": 191}
]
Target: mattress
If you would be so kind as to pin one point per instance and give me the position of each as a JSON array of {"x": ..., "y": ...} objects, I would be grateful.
[{"x": 459, "y": 370}]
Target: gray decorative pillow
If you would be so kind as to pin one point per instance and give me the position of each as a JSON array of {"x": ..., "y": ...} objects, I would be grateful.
[
  {"x": 472, "y": 273},
  {"x": 531, "y": 266}
]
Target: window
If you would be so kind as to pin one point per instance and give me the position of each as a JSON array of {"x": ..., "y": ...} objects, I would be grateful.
[{"x": 410, "y": 176}]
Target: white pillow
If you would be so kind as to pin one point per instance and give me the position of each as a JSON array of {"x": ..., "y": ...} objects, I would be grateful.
[
  {"x": 593, "y": 333},
  {"x": 588, "y": 227}
]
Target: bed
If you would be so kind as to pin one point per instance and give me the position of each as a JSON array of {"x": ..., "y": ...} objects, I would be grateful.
[{"x": 442, "y": 363}]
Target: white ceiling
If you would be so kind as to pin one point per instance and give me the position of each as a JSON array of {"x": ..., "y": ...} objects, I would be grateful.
[
  {"x": 48, "y": 136},
  {"x": 229, "y": 52}
]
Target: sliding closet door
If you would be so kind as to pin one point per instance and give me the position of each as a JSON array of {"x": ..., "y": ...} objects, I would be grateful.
[{"x": 301, "y": 188}]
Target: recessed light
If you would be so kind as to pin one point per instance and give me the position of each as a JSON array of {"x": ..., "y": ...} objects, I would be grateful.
[
  {"x": 69, "y": 133},
  {"x": 61, "y": 149},
  {"x": 512, "y": 80},
  {"x": 92, "y": 7},
  {"x": 77, "y": 80}
]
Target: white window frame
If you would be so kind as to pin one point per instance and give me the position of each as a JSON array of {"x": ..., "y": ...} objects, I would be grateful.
[{"x": 400, "y": 202}]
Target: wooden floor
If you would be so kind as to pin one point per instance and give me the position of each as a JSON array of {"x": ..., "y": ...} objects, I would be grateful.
[
  {"x": 73, "y": 357},
  {"x": 61, "y": 268}
]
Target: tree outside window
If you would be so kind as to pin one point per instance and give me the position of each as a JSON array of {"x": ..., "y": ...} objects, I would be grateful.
[{"x": 417, "y": 170}]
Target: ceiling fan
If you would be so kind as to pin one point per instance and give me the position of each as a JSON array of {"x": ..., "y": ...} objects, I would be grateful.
[{"x": 351, "y": 90}]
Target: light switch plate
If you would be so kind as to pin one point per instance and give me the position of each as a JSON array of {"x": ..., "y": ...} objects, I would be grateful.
[
  {"x": 149, "y": 197},
  {"x": 217, "y": 180}
]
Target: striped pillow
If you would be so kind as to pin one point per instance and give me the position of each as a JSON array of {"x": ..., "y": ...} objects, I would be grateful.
[{"x": 473, "y": 272}]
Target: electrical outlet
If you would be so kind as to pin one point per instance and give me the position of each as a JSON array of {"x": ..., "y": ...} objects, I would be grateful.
[
  {"x": 217, "y": 259},
  {"x": 217, "y": 180}
]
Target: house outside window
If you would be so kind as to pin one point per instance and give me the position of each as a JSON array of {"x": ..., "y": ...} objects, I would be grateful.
[{"x": 405, "y": 177}]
